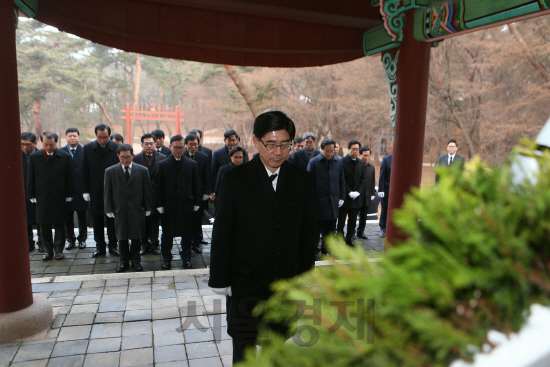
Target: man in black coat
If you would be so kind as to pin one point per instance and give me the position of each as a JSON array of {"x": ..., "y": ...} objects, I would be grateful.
[
  {"x": 159, "y": 142},
  {"x": 369, "y": 190},
  {"x": 202, "y": 148},
  {"x": 330, "y": 189},
  {"x": 384, "y": 191},
  {"x": 302, "y": 157},
  {"x": 28, "y": 146},
  {"x": 78, "y": 204},
  {"x": 203, "y": 170},
  {"x": 98, "y": 156},
  {"x": 451, "y": 158},
  {"x": 354, "y": 174},
  {"x": 178, "y": 196},
  {"x": 264, "y": 228},
  {"x": 150, "y": 158},
  {"x": 50, "y": 186},
  {"x": 221, "y": 156}
]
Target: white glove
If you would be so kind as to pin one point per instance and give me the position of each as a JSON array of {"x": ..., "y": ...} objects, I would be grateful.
[
  {"x": 33, "y": 200},
  {"x": 340, "y": 203},
  {"x": 110, "y": 215},
  {"x": 211, "y": 220},
  {"x": 196, "y": 208},
  {"x": 147, "y": 213},
  {"x": 353, "y": 195},
  {"x": 205, "y": 197},
  {"x": 381, "y": 194},
  {"x": 68, "y": 199},
  {"x": 375, "y": 188},
  {"x": 372, "y": 197},
  {"x": 223, "y": 291},
  {"x": 160, "y": 209},
  {"x": 86, "y": 196}
]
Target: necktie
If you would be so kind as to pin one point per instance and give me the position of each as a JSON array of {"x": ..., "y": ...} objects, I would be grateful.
[
  {"x": 451, "y": 161},
  {"x": 273, "y": 177},
  {"x": 73, "y": 151},
  {"x": 126, "y": 173},
  {"x": 192, "y": 156}
]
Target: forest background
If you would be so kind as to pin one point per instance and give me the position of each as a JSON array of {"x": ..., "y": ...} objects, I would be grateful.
[{"x": 487, "y": 89}]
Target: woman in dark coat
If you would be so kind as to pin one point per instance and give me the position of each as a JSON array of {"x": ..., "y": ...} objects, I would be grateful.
[{"x": 236, "y": 154}]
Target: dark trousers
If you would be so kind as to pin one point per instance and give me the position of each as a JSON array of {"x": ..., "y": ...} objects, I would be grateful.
[
  {"x": 238, "y": 350},
  {"x": 166, "y": 243},
  {"x": 82, "y": 226},
  {"x": 352, "y": 219},
  {"x": 384, "y": 211},
  {"x": 325, "y": 228},
  {"x": 363, "y": 212},
  {"x": 129, "y": 252},
  {"x": 99, "y": 232},
  {"x": 151, "y": 239},
  {"x": 196, "y": 226},
  {"x": 30, "y": 236},
  {"x": 49, "y": 243}
]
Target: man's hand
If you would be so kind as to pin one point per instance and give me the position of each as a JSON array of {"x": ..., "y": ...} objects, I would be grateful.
[
  {"x": 211, "y": 220},
  {"x": 110, "y": 215},
  {"x": 354, "y": 194},
  {"x": 223, "y": 291},
  {"x": 33, "y": 200},
  {"x": 196, "y": 208},
  {"x": 68, "y": 199},
  {"x": 372, "y": 197},
  {"x": 375, "y": 188},
  {"x": 160, "y": 209},
  {"x": 212, "y": 197},
  {"x": 381, "y": 194},
  {"x": 86, "y": 196},
  {"x": 340, "y": 203},
  {"x": 205, "y": 197},
  {"x": 147, "y": 213}
]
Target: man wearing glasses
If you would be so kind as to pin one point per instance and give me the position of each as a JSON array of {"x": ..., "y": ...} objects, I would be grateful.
[
  {"x": 150, "y": 158},
  {"x": 264, "y": 229}
]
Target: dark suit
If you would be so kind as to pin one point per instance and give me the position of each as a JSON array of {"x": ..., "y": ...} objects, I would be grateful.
[
  {"x": 78, "y": 204},
  {"x": 177, "y": 187},
  {"x": 203, "y": 170},
  {"x": 219, "y": 159},
  {"x": 260, "y": 236},
  {"x": 128, "y": 199},
  {"x": 300, "y": 157},
  {"x": 221, "y": 173},
  {"x": 444, "y": 161},
  {"x": 354, "y": 173},
  {"x": 95, "y": 161},
  {"x": 164, "y": 150},
  {"x": 368, "y": 191},
  {"x": 208, "y": 152},
  {"x": 384, "y": 185},
  {"x": 151, "y": 236},
  {"x": 50, "y": 182},
  {"x": 30, "y": 207}
]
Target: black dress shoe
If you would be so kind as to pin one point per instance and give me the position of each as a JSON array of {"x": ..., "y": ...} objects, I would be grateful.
[
  {"x": 203, "y": 242},
  {"x": 82, "y": 244},
  {"x": 70, "y": 245},
  {"x": 354, "y": 237},
  {"x": 382, "y": 234},
  {"x": 121, "y": 268},
  {"x": 350, "y": 242},
  {"x": 99, "y": 253},
  {"x": 114, "y": 251},
  {"x": 144, "y": 251},
  {"x": 156, "y": 251},
  {"x": 187, "y": 265},
  {"x": 59, "y": 256},
  {"x": 196, "y": 249},
  {"x": 47, "y": 257},
  {"x": 166, "y": 266},
  {"x": 137, "y": 267},
  {"x": 362, "y": 235}
]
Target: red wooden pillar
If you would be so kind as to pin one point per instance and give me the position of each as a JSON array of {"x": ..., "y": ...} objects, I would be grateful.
[
  {"x": 177, "y": 120},
  {"x": 15, "y": 272},
  {"x": 412, "y": 94},
  {"x": 128, "y": 125}
]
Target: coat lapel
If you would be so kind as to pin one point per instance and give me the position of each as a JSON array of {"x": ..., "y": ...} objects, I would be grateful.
[
  {"x": 133, "y": 174},
  {"x": 120, "y": 173},
  {"x": 259, "y": 186}
]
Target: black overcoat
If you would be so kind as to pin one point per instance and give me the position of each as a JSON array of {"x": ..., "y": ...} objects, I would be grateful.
[
  {"x": 128, "y": 200},
  {"x": 330, "y": 186},
  {"x": 78, "y": 203},
  {"x": 260, "y": 236},
  {"x": 208, "y": 152},
  {"x": 219, "y": 159},
  {"x": 95, "y": 161},
  {"x": 370, "y": 184},
  {"x": 165, "y": 150},
  {"x": 177, "y": 193},
  {"x": 30, "y": 207},
  {"x": 203, "y": 169},
  {"x": 50, "y": 182},
  {"x": 354, "y": 173},
  {"x": 299, "y": 158},
  {"x": 152, "y": 173}
]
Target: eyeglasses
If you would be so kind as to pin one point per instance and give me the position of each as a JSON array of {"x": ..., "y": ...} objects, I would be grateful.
[
  {"x": 271, "y": 146},
  {"x": 148, "y": 144}
]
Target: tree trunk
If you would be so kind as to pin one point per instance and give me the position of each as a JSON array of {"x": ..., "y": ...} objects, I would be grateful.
[
  {"x": 106, "y": 114},
  {"x": 528, "y": 54},
  {"x": 138, "y": 79},
  {"x": 37, "y": 121},
  {"x": 242, "y": 90}
]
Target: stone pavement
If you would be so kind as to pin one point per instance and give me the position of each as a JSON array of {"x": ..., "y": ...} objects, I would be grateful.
[{"x": 81, "y": 262}]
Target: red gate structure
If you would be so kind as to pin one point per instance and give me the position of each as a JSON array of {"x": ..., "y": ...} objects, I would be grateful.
[{"x": 142, "y": 113}]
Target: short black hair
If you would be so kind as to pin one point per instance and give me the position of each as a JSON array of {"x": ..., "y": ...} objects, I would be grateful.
[
  {"x": 298, "y": 140},
  {"x": 353, "y": 142},
  {"x": 27, "y": 135},
  {"x": 235, "y": 149},
  {"x": 176, "y": 138},
  {"x": 308, "y": 135},
  {"x": 228, "y": 133},
  {"x": 452, "y": 141},
  {"x": 48, "y": 135},
  {"x": 72, "y": 130},
  {"x": 102, "y": 127},
  {"x": 190, "y": 137},
  {"x": 273, "y": 121},
  {"x": 148, "y": 136},
  {"x": 124, "y": 148},
  {"x": 328, "y": 142},
  {"x": 195, "y": 131},
  {"x": 117, "y": 137},
  {"x": 158, "y": 132},
  {"x": 364, "y": 149}
]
